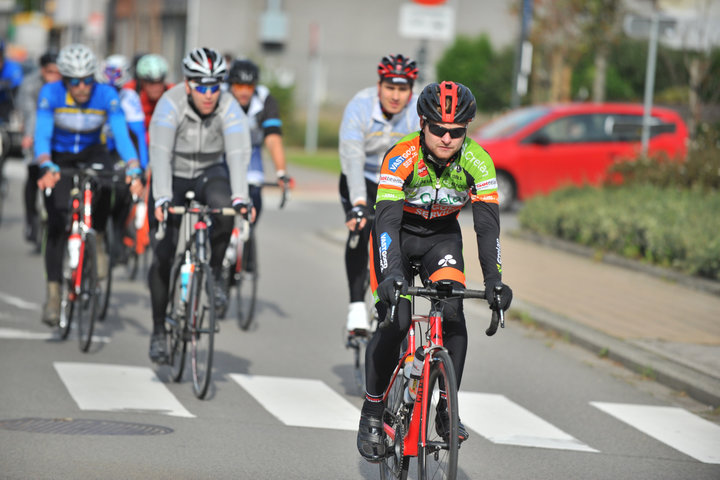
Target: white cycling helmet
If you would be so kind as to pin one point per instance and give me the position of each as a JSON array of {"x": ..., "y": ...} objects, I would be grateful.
[
  {"x": 115, "y": 70},
  {"x": 151, "y": 67},
  {"x": 204, "y": 65},
  {"x": 76, "y": 61}
]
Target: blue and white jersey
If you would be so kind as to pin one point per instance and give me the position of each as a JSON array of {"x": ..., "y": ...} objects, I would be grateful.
[
  {"x": 62, "y": 125},
  {"x": 11, "y": 71},
  {"x": 135, "y": 118},
  {"x": 366, "y": 134}
]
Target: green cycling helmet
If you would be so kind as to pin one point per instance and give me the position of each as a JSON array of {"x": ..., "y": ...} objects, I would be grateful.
[{"x": 151, "y": 67}]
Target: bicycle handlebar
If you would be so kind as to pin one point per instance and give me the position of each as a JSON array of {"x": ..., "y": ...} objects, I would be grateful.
[
  {"x": 286, "y": 186},
  {"x": 181, "y": 210},
  {"x": 497, "y": 318}
]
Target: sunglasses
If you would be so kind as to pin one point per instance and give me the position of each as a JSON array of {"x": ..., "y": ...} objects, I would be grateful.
[
  {"x": 74, "y": 82},
  {"x": 440, "y": 132},
  {"x": 203, "y": 89}
]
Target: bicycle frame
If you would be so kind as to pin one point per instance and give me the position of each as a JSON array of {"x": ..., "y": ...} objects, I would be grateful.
[
  {"x": 82, "y": 214},
  {"x": 415, "y": 436}
]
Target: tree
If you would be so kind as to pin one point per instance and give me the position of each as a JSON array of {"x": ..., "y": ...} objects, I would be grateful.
[{"x": 474, "y": 63}]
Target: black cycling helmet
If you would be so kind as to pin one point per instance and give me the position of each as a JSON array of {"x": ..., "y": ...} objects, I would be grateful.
[
  {"x": 243, "y": 71},
  {"x": 48, "y": 58},
  {"x": 447, "y": 102},
  {"x": 397, "y": 69}
]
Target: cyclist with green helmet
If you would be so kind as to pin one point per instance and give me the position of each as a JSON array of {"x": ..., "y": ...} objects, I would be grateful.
[{"x": 150, "y": 72}]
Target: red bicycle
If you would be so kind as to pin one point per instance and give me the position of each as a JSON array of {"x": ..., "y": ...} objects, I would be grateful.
[
  {"x": 411, "y": 428},
  {"x": 81, "y": 289}
]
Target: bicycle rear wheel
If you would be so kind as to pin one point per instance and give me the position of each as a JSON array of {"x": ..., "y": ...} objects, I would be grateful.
[
  {"x": 439, "y": 458},
  {"x": 87, "y": 301},
  {"x": 201, "y": 323},
  {"x": 175, "y": 324},
  {"x": 395, "y": 464}
]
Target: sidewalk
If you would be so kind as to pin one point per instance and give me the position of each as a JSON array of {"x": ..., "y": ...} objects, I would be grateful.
[{"x": 666, "y": 330}]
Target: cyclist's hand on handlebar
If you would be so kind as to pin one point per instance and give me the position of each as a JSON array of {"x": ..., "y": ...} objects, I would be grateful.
[
  {"x": 356, "y": 218},
  {"x": 284, "y": 180},
  {"x": 49, "y": 173},
  {"x": 498, "y": 300},
  {"x": 161, "y": 206},
  {"x": 246, "y": 209},
  {"x": 386, "y": 289}
]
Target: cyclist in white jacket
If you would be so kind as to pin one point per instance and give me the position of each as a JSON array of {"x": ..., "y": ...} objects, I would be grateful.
[{"x": 374, "y": 120}]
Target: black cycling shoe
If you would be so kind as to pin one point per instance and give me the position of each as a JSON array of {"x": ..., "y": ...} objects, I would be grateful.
[
  {"x": 371, "y": 438},
  {"x": 158, "y": 348},
  {"x": 442, "y": 426}
]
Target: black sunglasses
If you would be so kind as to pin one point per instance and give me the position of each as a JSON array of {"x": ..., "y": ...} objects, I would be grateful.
[{"x": 440, "y": 132}]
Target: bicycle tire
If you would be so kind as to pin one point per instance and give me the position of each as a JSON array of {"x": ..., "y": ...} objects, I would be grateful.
[
  {"x": 201, "y": 323},
  {"x": 87, "y": 302},
  {"x": 66, "y": 306},
  {"x": 107, "y": 283},
  {"x": 175, "y": 324},
  {"x": 439, "y": 458},
  {"x": 246, "y": 284},
  {"x": 395, "y": 464}
]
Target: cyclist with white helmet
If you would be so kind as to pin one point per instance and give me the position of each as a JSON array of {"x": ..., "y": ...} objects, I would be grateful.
[
  {"x": 149, "y": 82},
  {"x": 374, "y": 119},
  {"x": 70, "y": 117},
  {"x": 196, "y": 128}
]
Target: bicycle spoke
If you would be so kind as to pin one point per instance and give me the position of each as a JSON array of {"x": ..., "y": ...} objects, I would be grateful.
[
  {"x": 87, "y": 301},
  {"x": 175, "y": 325}
]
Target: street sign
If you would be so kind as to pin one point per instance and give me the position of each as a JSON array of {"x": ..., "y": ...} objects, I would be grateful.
[
  {"x": 433, "y": 23},
  {"x": 638, "y": 27}
]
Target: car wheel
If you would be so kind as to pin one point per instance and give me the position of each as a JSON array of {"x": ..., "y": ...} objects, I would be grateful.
[{"x": 507, "y": 192}]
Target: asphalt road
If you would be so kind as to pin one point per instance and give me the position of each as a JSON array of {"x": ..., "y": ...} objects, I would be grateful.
[{"x": 283, "y": 403}]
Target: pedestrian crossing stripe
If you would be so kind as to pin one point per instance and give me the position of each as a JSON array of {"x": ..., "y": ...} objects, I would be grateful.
[
  {"x": 118, "y": 388},
  {"x": 503, "y": 421},
  {"x": 301, "y": 402},
  {"x": 676, "y": 427},
  {"x": 311, "y": 403}
]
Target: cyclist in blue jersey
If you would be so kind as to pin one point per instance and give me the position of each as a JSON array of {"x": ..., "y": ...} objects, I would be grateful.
[
  {"x": 70, "y": 117},
  {"x": 11, "y": 77}
]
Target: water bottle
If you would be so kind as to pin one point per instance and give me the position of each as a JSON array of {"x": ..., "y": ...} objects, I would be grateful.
[
  {"x": 140, "y": 212},
  {"x": 186, "y": 270},
  {"x": 73, "y": 246},
  {"x": 231, "y": 250},
  {"x": 416, "y": 372}
]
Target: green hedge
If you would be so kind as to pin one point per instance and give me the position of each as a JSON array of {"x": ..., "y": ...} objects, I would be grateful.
[{"x": 670, "y": 227}]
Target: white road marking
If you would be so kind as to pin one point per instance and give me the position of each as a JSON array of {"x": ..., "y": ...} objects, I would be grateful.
[
  {"x": 676, "y": 427},
  {"x": 118, "y": 388},
  {"x": 301, "y": 402},
  {"x": 500, "y": 420},
  {"x": 18, "y": 302},
  {"x": 12, "y": 333}
]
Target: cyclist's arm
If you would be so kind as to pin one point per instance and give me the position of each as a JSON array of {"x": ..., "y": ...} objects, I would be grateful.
[
  {"x": 27, "y": 102},
  {"x": 135, "y": 117},
  {"x": 163, "y": 127},
  {"x": 44, "y": 124},
  {"x": 272, "y": 130},
  {"x": 486, "y": 212},
  {"x": 119, "y": 127},
  {"x": 138, "y": 131},
  {"x": 236, "y": 133},
  {"x": 352, "y": 152}
]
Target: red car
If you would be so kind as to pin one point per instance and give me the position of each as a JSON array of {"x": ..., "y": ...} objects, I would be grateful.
[{"x": 540, "y": 148}]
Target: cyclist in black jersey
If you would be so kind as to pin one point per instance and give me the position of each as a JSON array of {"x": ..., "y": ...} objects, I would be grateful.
[{"x": 425, "y": 180}]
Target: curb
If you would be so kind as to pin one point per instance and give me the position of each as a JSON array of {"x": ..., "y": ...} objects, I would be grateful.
[{"x": 698, "y": 385}]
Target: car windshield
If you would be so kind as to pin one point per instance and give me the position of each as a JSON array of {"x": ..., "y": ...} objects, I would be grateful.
[{"x": 511, "y": 122}]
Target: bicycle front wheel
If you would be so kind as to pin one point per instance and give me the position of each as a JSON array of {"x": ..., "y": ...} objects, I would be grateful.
[
  {"x": 176, "y": 325},
  {"x": 67, "y": 306},
  {"x": 396, "y": 416},
  {"x": 201, "y": 323},
  {"x": 104, "y": 300},
  {"x": 439, "y": 457},
  {"x": 246, "y": 284},
  {"x": 87, "y": 301}
]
